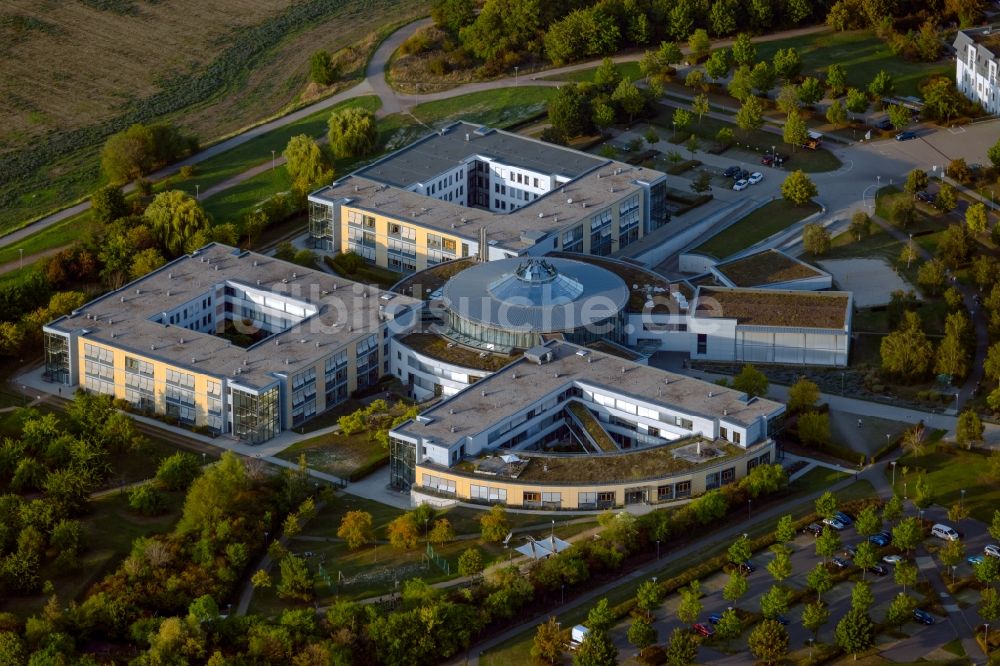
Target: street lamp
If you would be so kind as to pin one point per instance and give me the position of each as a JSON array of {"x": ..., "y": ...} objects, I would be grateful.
[
  {"x": 515, "y": 76},
  {"x": 657, "y": 549},
  {"x": 272, "y": 160},
  {"x": 425, "y": 529},
  {"x": 265, "y": 538},
  {"x": 197, "y": 192},
  {"x": 893, "y": 465},
  {"x": 888, "y": 438},
  {"x": 961, "y": 500},
  {"x": 553, "y": 530},
  {"x": 986, "y": 637},
  {"x": 748, "y": 508},
  {"x": 204, "y": 458},
  {"x": 810, "y": 640}
]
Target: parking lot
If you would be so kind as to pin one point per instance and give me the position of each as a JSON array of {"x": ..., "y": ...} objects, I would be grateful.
[{"x": 910, "y": 642}]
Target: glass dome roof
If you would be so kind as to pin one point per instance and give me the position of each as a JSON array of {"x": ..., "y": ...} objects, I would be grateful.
[{"x": 536, "y": 282}]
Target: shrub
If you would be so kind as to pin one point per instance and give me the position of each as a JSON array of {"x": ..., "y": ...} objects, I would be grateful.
[{"x": 147, "y": 500}]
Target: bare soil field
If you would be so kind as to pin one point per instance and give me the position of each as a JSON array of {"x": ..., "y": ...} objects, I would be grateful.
[{"x": 73, "y": 72}]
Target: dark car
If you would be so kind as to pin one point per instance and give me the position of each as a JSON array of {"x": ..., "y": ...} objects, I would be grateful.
[
  {"x": 850, "y": 551},
  {"x": 841, "y": 562},
  {"x": 732, "y": 172},
  {"x": 747, "y": 567},
  {"x": 845, "y": 518},
  {"x": 715, "y": 618},
  {"x": 884, "y": 124},
  {"x": 926, "y": 197},
  {"x": 878, "y": 540},
  {"x": 905, "y": 136},
  {"x": 703, "y": 629},
  {"x": 814, "y": 529},
  {"x": 879, "y": 570},
  {"x": 922, "y": 616},
  {"x": 773, "y": 159}
]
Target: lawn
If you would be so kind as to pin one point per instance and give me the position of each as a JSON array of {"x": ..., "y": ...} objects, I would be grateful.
[
  {"x": 817, "y": 479},
  {"x": 629, "y": 70},
  {"x": 338, "y": 454},
  {"x": 501, "y": 108},
  {"x": 762, "y": 223},
  {"x": 862, "y": 54},
  {"x": 950, "y": 469}
]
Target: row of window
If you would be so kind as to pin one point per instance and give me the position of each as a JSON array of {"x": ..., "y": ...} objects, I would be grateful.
[
  {"x": 358, "y": 219},
  {"x": 99, "y": 354},
  {"x": 181, "y": 379}
]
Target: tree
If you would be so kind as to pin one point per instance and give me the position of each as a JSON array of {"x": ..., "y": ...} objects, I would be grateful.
[
  {"x": 989, "y": 605},
  {"x": 827, "y": 543},
  {"x": 861, "y": 596},
  {"x": 174, "y": 217},
  {"x": 993, "y": 153},
  {"x": 785, "y": 531},
  {"x": 787, "y": 63},
  {"x": 680, "y": 119},
  {"x": 764, "y": 480},
  {"x": 952, "y": 354},
  {"x": 951, "y": 554},
  {"x": 795, "y": 131},
  {"x": 826, "y": 505},
  {"x": 641, "y": 633},
  {"x": 690, "y": 606},
  {"x": 893, "y": 509},
  {"x": 881, "y": 85},
  {"x": 906, "y": 352},
  {"x": 322, "y": 69},
  {"x": 781, "y": 566},
  {"x": 682, "y": 647},
  {"x": 699, "y": 43},
  {"x": 296, "y": 581},
  {"x": 836, "y": 114},
  {"x": 729, "y": 625},
  {"x": 494, "y": 524},
  {"x": 947, "y": 198},
  {"x": 403, "y": 532},
  {"x": 352, "y": 133},
  {"x": 868, "y": 521},
  {"x": 769, "y": 641},
  {"x": 178, "y": 471},
  {"x": 916, "y": 181},
  {"x": 702, "y": 182},
  {"x": 857, "y": 101},
  {"x": 762, "y": 78},
  {"x": 744, "y": 52},
  {"x": 814, "y": 429},
  {"x": 739, "y": 550},
  {"x": 717, "y": 66},
  {"x": 442, "y": 532},
  {"x": 548, "y": 643},
  {"x": 470, "y": 562},
  {"x": 941, "y": 99},
  {"x": 735, "y": 587},
  {"x": 836, "y": 79},
  {"x": 816, "y": 239},
  {"x": 721, "y": 17},
  {"x": 900, "y": 609},
  {"x": 855, "y": 632},
  {"x": 814, "y": 616},
  {"x": 788, "y": 98},
  {"x": 356, "y": 529},
  {"x": 128, "y": 154},
  {"x": 453, "y": 15},
  {"x": 988, "y": 571},
  {"x": 798, "y": 189},
  {"x": 261, "y": 580},
  {"x": 969, "y": 429},
  {"x": 600, "y": 618},
  {"x": 994, "y": 528},
  {"x": 751, "y": 381},
  {"x": 932, "y": 276},
  {"x": 699, "y": 105},
  {"x": 751, "y": 114},
  {"x": 570, "y": 111},
  {"x": 107, "y": 204},
  {"x": 739, "y": 85},
  {"x": 899, "y": 116},
  {"x": 306, "y": 164},
  {"x": 907, "y": 534},
  {"x": 648, "y": 596},
  {"x": 629, "y": 99},
  {"x": 147, "y": 500},
  {"x": 976, "y": 218},
  {"x": 865, "y": 557}
]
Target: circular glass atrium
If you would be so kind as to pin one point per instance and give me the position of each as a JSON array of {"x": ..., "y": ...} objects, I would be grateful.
[{"x": 517, "y": 303}]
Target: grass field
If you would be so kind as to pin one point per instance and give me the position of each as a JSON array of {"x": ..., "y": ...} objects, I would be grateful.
[
  {"x": 629, "y": 70},
  {"x": 949, "y": 470},
  {"x": 862, "y": 54},
  {"x": 337, "y": 454},
  {"x": 499, "y": 108},
  {"x": 75, "y": 72},
  {"x": 762, "y": 223}
]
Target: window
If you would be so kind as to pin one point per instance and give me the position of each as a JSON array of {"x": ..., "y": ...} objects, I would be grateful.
[
  {"x": 586, "y": 500},
  {"x": 531, "y": 497},
  {"x": 728, "y": 475},
  {"x": 723, "y": 433},
  {"x": 551, "y": 498},
  {"x": 712, "y": 481},
  {"x": 664, "y": 493},
  {"x": 606, "y": 498},
  {"x": 682, "y": 489},
  {"x": 702, "y": 343},
  {"x": 488, "y": 493},
  {"x": 737, "y": 438},
  {"x": 682, "y": 422},
  {"x": 439, "y": 484}
]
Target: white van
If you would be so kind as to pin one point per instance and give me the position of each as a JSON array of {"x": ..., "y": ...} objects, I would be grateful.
[
  {"x": 577, "y": 635},
  {"x": 944, "y": 532}
]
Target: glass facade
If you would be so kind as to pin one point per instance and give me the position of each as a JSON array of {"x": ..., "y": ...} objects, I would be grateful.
[
  {"x": 321, "y": 225},
  {"x": 214, "y": 420},
  {"x": 402, "y": 463},
  {"x": 367, "y": 366},
  {"x": 180, "y": 396},
  {"x": 600, "y": 233},
  {"x": 612, "y": 328},
  {"x": 628, "y": 221},
  {"x": 658, "y": 213},
  {"x": 139, "y": 391},
  {"x": 335, "y": 379},
  {"x": 98, "y": 369},
  {"x": 303, "y": 396},
  {"x": 256, "y": 418},
  {"x": 57, "y": 359},
  {"x": 361, "y": 235}
]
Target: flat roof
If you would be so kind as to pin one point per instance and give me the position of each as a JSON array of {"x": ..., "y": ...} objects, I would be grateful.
[
  {"x": 451, "y": 146},
  {"x": 767, "y": 267},
  {"x": 637, "y": 278},
  {"x": 123, "y": 319},
  {"x": 775, "y": 307},
  {"x": 577, "y": 200},
  {"x": 985, "y": 36},
  {"x": 501, "y": 395}
]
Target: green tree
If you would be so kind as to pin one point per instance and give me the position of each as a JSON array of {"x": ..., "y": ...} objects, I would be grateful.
[
  {"x": 802, "y": 395},
  {"x": 798, "y": 188},
  {"x": 751, "y": 381},
  {"x": 774, "y": 602},
  {"x": 681, "y": 119},
  {"x": 814, "y": 616},
  {"x": 306, "y": 164},
  {"x": 899, "y": 116},
  {"x": 814, "y": 429},
  {"x": 947, "y": 198},
  {"x": 751, "y": 114},
  {"x": 735, "y": 587},
  {"x": 128, "y": 154},
  {"x": 976, "y": 218},
  {"x": 729, "y": 625},
  {"x": 932, "y": 276},
  {"x": 356, "y": 529},
  {"x": 916, "y": 181},
  {"x": 865, "y": 558},
  {"x": 788, "y": 98},
  {"x": 690, "y": 606},
  {"x": 836, "y": 79},
  {"x": 722, "y": 17},
  {"x": 470, "y": 562},
  {"x": 494, "y": 524},
  {"x": 453, "y": 15},
  {"x": 322, "y": 69},
  {"x": 826, "y": 505},
  {"x": 855, "y": 632},
  {"x": 969, "y": 429},
  {"x": 717, "y": 66},
  {"x": 739, "y": 550},
  {"x": 548, "y": 643},
  {"x": 907, "y": 534},
  {"x": 261, "y": 580},
  {"x": 787, "y": 63},
  {"x": 952, "y": 353},
  {"x": 836, "y": 114},
  {"x": 641, "y": 633},
  {"x": 699, "y": 105},
  {"x": 827, "y": 543},
  {"x": 702, "y": 182},
  {"x": 762, "y": 78},
  {"x": 881, "y": 85},
  {"x": 607, "y": 76},
  {"x": 989, "y": 605},
  {"x": 784, "y": 533},
  {"x": 816, "y": 240},
  {"x": 857, "y": 101},
  {"x": 648, "y": 597},
  {"x": 781, "y": 566},
  {"x": 147, "y": 500},
  {"x": 570, "y": 111},
  {"x": 442, "y": 532},
  {"x": 900, "y": 610},
  {"x": 988, "y": 571},
  {"x": 352, "y": 132},
  {"x": 174, "y": 217},
  {"x": 744, "y": 52},
  {"x": 893, "y": 509},
  {"x": 768, "y": 641},
  {"x": 107, "y": 204},
  {"x": 951, "y": 554},
  {"x": 629, "y": 99},
  {"x": 906, "y": 352},
  {"x": 795, "y": 131},
  {"x": 739, "y": 85},
  {"x": 682, "y": 648},
  {"x": 699, "y": 43},
  {"x": 868, "y": 521},
  {"x": 811, "y": 91},
  {"x": 296, "y": 581},
  {"x": 861, "y": 596}
]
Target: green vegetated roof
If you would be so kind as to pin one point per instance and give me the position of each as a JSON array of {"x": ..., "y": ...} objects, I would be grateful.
[
  {"x": 769, "y": 307},
  {"x": 432, "y": 278},
  {"x": 768, "y": 267},
  {"x": 436, "y": 346},
  {"x": 636, "y": 278}
]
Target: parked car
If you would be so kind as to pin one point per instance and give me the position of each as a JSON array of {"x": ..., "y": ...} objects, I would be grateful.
[
  {"x": 841, "y": 562},
  {"x": 705, "y": 630},
  {"x": 878, "y": 540},
  {"x": 926, "y": 197},
  {"x": 834, "y": 523},
  {"x": 975, "y": 560},
  {"x": 773, "y": 159},
  {"x": 740, "y": 185},
  {"x": 814, "y": 529},
  {"x": 732, "y": 172},
  {"x": 992, "y": 550},
  {"x": 922, "y": 616},
  {"x": 747, "y": 568},
  {"x": 755, "y": 177},
  {"x": 884, "y": 124},
  {"x": 879, "y": 570},
  {"x": 893, "y": 559},
  {"x": 845, "y": 518},
  {"x": 715, "y": 618},
  {"x": 850, "y": 551},
  {"x": 905, "y": 136},
  {"x": 942, "y": 531},
  {"x": 782, "y": 619}
]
